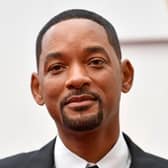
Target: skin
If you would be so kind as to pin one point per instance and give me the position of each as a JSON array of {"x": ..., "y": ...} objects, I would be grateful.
[{"x": 76, "y": 55}]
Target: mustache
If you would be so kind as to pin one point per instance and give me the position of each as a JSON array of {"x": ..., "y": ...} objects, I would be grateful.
[{"x": 79, "y": 92}]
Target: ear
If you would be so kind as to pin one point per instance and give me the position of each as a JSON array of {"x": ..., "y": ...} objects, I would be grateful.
[
  {"x": 127, "y": 75},
  {"x": 36, "y": 89}
]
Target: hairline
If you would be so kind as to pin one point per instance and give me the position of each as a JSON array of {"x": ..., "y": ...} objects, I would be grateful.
[
  {"x": 49, "y": 28},
  {"x": 105, "y": 24}
]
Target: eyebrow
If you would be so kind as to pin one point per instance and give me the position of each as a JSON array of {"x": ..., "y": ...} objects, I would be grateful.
[
  {"x": 88, "y": 50},
  {"x": 52, "y": 55},
  {"x": 96, "y": 49}
]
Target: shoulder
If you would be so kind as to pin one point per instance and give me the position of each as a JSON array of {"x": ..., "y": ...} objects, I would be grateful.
[
  {"x": 154, "y": 161},
  {"x": 18, "y": 160},
  {"x": 38, "y": 158},
  {"x": 143, "y": 159}
]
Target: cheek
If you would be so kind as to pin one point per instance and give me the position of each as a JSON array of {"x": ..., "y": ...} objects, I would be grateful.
[
  {"x": 109, "y": 83},
  {"x": 52, "y": 90}
]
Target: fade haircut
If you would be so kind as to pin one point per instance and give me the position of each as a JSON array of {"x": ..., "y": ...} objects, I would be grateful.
[{"x": 79, "y": 13}]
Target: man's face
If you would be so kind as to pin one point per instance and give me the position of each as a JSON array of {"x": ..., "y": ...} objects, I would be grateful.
[{"x": 80, "y": 76}]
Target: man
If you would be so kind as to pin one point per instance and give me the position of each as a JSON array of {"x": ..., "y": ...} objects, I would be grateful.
[{"x": 80, "y": 77}]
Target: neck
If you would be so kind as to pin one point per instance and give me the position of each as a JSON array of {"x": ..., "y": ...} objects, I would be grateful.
[{"x": 91, "y": 145}]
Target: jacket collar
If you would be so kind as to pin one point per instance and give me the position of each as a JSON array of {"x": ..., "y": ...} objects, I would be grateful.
[
  {"x": 140, "y": 159},
  {"x": 43, "y": 158}
]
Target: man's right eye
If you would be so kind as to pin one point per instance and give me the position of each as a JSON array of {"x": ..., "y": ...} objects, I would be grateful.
[{"x": 56, "y": 68}]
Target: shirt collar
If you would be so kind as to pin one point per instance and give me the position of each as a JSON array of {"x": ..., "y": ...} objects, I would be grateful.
[{"x": 117, "y": 157}]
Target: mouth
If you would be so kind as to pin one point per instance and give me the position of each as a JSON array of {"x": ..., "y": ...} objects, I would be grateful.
[{"x": 80, "y": 101}]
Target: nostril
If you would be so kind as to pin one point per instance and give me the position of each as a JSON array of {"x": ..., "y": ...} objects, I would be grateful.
[
  {"x": 77, "y": 83},
  {"x": 77, "y": 76}
]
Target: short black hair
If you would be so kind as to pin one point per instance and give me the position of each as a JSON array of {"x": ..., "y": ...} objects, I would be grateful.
[{"x": 79, "y": 13}]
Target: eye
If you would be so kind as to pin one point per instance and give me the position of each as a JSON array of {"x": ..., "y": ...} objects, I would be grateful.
[
  {"x": 97, "y": 62},
  {"x": 56, "y": 68}
]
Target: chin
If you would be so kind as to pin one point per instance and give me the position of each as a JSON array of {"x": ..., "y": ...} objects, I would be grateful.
[{"x": 83, "y": 123}]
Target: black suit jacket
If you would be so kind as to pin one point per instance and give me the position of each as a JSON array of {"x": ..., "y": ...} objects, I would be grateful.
[{"x": 44, "y": 158}]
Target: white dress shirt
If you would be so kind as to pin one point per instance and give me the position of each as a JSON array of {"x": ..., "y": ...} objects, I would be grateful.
[{"x": 118, "y": 157}]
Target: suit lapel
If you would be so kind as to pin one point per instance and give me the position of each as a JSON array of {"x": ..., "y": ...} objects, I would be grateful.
[
  {"x": 44, "y": 158},
  {"x": 138, "y": 156}
]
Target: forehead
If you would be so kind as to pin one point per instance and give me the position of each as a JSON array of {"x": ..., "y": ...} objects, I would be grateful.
[
  {"x": 76, "y": 23},
  {"x": 74, "y": 29}
]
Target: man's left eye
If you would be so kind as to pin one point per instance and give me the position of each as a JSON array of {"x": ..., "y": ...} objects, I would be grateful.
[{"x": 96, "y": 62}]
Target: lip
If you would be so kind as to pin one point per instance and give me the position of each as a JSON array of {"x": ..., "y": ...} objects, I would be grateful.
[{"x": 80, "y": 99}]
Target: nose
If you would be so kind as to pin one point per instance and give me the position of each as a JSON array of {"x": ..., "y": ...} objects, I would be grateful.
[{"x": 78, "y": 77}]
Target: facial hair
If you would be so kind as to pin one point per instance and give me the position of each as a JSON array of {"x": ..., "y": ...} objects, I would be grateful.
[{"x": 83, "y": 123}]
